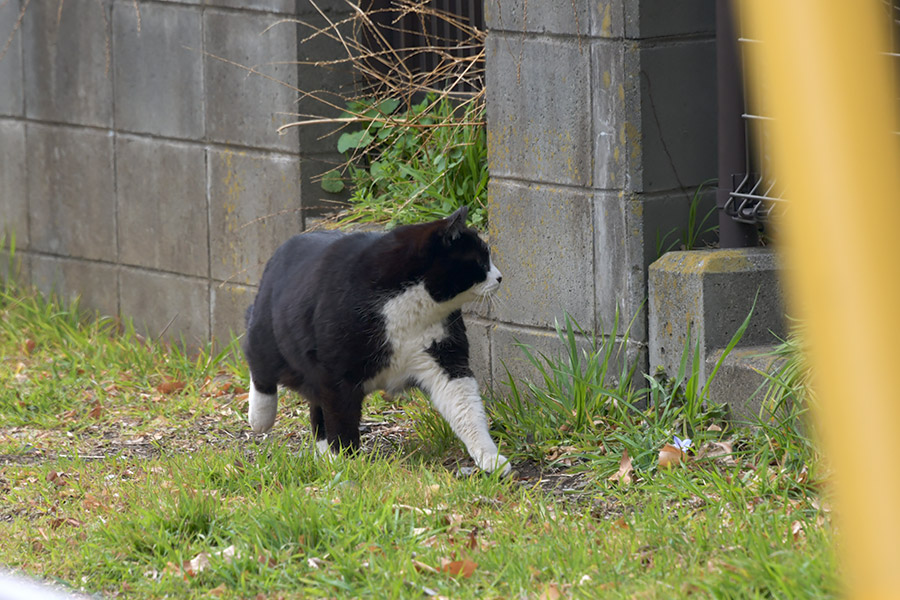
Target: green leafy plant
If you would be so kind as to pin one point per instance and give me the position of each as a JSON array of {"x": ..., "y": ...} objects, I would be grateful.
[{"x": 413, "y": 164}]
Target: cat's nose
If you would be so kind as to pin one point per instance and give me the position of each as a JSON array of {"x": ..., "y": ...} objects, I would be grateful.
[{"x": 499, "y": 278}]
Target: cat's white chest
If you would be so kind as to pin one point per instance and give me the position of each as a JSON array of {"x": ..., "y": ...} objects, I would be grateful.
[{"x": 413, "y": 322}]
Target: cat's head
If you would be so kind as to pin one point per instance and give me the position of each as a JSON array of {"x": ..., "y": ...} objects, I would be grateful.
[{"x": 459, "y": 265}]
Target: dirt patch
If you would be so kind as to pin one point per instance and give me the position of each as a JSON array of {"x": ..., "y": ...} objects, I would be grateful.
[{"x": 378, "y": 438}]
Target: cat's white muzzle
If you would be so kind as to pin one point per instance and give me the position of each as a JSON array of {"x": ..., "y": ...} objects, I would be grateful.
[{"x": 491, "y": 283}]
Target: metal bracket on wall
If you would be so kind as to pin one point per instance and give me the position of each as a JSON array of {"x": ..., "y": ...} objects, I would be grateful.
[{"x": 754, "y": 198}]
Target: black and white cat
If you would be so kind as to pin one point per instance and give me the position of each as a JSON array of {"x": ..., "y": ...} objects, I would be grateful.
[{"x": 339, "y": 315}]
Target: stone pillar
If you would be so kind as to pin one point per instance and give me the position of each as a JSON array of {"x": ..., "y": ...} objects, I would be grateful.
[{"x": 601, "y": 125}]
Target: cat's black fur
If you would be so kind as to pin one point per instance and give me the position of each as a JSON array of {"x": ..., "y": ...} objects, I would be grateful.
[{"x": 318, "y": 324}]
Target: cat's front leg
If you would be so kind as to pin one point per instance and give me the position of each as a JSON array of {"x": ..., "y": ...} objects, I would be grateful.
[
  {"x": 263, "y": 407},
  {"x": 459, "y": 402}
]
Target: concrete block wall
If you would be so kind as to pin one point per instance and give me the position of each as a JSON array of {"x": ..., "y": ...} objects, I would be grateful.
[
  {"x": 141, "y": 168},
  {"x": 601, "y": 124}
]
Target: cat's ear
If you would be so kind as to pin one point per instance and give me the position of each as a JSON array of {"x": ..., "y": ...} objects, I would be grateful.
[{"x": 455, "y": 224}]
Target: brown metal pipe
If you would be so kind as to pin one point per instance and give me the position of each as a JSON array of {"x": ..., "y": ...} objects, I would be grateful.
[{"x": 731, "y": 133}]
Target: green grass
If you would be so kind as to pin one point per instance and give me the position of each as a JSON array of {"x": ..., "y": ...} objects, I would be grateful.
[{"x": 120, "y": 499}]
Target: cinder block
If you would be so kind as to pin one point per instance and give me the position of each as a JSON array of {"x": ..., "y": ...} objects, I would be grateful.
[
  {"x": 620, "y": 280},
  {"x": 676, "y": 145},
  {"x": 12, "y": 98},
  {"x": 741, "y": 380},
  {"x": 656, "y": 18},
  {"x": 94, "y": 283},
  {"x": 539, "y": 16},
  {"x": 228, "y": 304},
  {"x": 538, "y": 114},
  {"x": 508, "y": 359},
  {"x": 162, "y": 208},
  {"x": 254, "y": 207},
  {"x": 542, "y": 240},
  {"x": 318, "y": 72},
  {"x": 632, "y": 231},
  {"x": 171, "y": 306},
  {"x": 707, "y": 294},
  {"x": 15, "y": 268},
  {"x": 13, "y": 191},
  {"x": 316, "y": 201},
  {"x": 507, "y": 353},
  {"x": 277, "y": 6},
  {"x": 68, "y": 76},
  {"x": 159, "y": 69},
  {"x": 611, "y": 146},
  {"x": 608, "y": 18},
  {"x": 247, "y": 108},
  {"x": 72, "y": 203}
]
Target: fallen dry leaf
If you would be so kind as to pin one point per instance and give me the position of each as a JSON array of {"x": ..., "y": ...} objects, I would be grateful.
[
  {"x": 170, "y": 386},
  {"x": 472, "y": 542},
  {"x": 57, "y": 523},
  {"x": 269, "y": 561},
  {"x": 669, "y": 456},
  {"x": 551, "y": 592},
  {"x": 196, "y": 565},
  {"x": 228, "y": 553},
  {"x": 96, "y": 411},
  {"x": 218, "y": 590},
  {"x": 171, "y": 569},
  {"x": 624, "y": 474},
  {"x": 415, "y": 509},
  {"x": 719, "y": 452},
  {"x": 464, "y": 567},
  {"x": 797, "y": 530},
  {"x": 422, "y": 567}
]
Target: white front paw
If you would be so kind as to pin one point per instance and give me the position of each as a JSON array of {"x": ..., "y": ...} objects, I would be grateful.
[{"x": 493, "y": 461}]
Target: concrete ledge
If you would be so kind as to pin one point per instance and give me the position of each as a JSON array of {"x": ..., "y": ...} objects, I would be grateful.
[
  {"x": 707, "y": 294},
  {"x": 741, "y": 380}
]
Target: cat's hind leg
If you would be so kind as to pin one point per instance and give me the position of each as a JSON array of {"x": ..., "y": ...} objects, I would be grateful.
[
  {"x": 317, "y": 424},
  {"x": 342, "y": 412}
]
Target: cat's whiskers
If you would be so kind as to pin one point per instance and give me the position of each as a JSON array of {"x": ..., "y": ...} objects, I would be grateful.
[{"x": 497, "y": 302}]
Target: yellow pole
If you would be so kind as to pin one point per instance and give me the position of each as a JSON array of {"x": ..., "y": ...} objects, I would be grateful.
[{"x": 832, "y": 98}]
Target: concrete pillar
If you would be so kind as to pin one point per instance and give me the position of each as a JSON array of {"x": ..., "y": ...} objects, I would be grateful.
[{"x": 601, "y": 125}]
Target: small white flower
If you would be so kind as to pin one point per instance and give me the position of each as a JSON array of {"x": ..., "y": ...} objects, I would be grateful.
[{"x": 682, "y": 444}]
